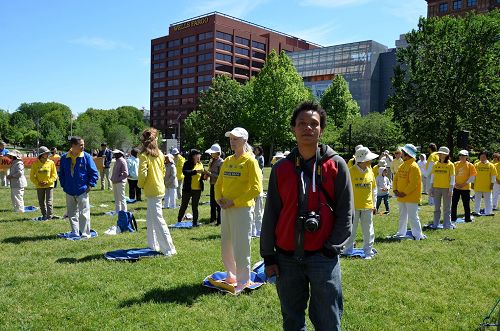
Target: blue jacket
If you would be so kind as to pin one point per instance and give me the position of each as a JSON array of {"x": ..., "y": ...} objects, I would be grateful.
[
  {"x": 107, "y": 155},
  {"x": 85, "y": 174}
]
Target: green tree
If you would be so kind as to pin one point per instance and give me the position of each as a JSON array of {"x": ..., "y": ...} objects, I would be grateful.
[
  {"x": 4, "y": 124},
  {"x": 278, "y": 89},
  {"x": 448, "y": 80},
  {"x": 90, "y": 132},
  {"x": 119, "y": 136},
  {"x": 338, "y": 103}
]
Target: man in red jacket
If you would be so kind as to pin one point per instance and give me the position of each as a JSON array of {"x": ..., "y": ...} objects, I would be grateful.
[{"x": 307, "y": 219}]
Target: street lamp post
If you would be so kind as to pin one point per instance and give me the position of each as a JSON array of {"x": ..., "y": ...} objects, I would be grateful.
[{"x": 178, "y": 120}]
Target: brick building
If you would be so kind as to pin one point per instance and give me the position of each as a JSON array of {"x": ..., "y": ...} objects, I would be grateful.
[{"x": 459, "y": 7}]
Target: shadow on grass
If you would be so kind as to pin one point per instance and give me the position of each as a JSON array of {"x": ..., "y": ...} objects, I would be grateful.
[
  {"x": 183, "y": 295},
  {"x": 25, "y": 219},
  {"x": 389, "y": 240},
  {"x": 72, "y": 260},
  {"x": 20, "y": 240},
  {"x": 209, "y": 237}
]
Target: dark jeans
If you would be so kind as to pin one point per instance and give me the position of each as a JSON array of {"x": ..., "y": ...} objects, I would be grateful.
[
  {"x": 465, "y": 195},
  {"x": 214, "y": 206},
  {"x": 194, "y": 195},
  {"x": 45, "y": 200},
  {"x": 386, "y": 201},
  {"x": 134, "y": 192},
  {"x": 317, "y": 278}
]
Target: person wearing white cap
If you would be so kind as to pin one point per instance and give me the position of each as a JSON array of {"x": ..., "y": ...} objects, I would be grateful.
[
  {"x": 442, "y": 183},
  {"x": 3, "y": 171},
  {"x": 278, "y": 156},
  {"x": 483, "y": 184},
  {"x": 236, "y": 188},
  {"x": 422, "y": 163},
  {"x": 17, "y": 180},
  {"x": 43, "y": 175},
  {"x": 352, "y": 161},
  {"x": 119, "y": 178},
  {"x": 381, "y": 164},
  {"x": 496, "y": 186},
  {"x": 408, "y": 189},
  {"x": 151, "y": 179},
  {"x": 213, "y": 173},
  {"x": 171, "y": 183},
  {"x": 179, "y": 161},
  {"x": 465, "y": 174},
  {"x": 364, "y": 188}
]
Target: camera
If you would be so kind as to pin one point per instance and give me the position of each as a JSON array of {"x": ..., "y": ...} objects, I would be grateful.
[{"x": 310, "y": 220}]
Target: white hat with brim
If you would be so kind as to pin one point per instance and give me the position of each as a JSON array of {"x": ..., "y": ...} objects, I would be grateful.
[
  {"x": 364, "y": 154},
  {"x": 279, "y": 154},
  {"x": 238, "y": 132},
  {"x": 214, "y": 149},
  {"x": 410, "y": 150},
  {"x": 443, "y": 150},
  {"x": 175, "y": 151},
  {"x": 117, "y": 151},
  {"x": 463, "y": 152},
  {"x": 43, "y": 150},
  {"x": 14, "y": 153}
]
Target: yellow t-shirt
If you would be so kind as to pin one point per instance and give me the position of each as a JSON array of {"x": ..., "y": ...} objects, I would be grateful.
[
  {"x": 179, "y": 163},
  {"x": 442, "y": 174},
  {"x": 483, "y": 179},
  {"x": 239, "y": 180},
  {"x": 408, "y": 180},
  {"x": 433, "y": 157},
  {"x": 463, "y": 171},
  {"x": 395, "y": 164},
  {"x": 497, "y": 167},
  {"x": 151, "y": 175},
  {"x": 43, "y": 172},
  {"x": 363, "y": 184},
  {"x": 350, "y": 163},
  {"x": 195, "y": 179}
]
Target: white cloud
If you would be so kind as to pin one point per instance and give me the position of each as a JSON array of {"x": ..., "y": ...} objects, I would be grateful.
[
  {"x": 332, "y": 3},
  {"x": 100, "y": 43},
  {"x": 238, "y": 8}
]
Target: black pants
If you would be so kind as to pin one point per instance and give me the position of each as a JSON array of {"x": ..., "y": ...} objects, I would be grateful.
[
  {"x": 214, "y": 206},
  {"x": 465, "y": 195},
  {"x": 386, "y": 201},
  {"x": 194, "y": 195},
  {"x": 134, "y": 192}
]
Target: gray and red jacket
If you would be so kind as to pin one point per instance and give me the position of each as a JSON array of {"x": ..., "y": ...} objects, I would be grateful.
[{"x": 281, "y": 211}]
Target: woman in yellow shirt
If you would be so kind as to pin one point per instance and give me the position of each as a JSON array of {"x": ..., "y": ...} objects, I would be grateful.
[
  {"x": 43, "y": 175},
  {"x": 442, "y": 183},
  {"x": 151, "y": 179},
  {"x": 465, "y": 174},
  {"x": 238, "y": 184},
  {"x": 192, "y": 186},
  {"x": 483, "y": 185}
]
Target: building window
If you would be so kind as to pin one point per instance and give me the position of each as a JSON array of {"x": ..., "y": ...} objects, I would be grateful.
[
  {"x": 224, "y": 47},
  {"x": 256, "y": 64},
  {"x": 472, "y": 3},
  {"x": 159, "y": 65},
  {"x": 259, "y": 55},
  {"x": 187, "y": 101},
  {"x": 175, "y": 52},
  {"x": 443, "y": 7},
  {"x": 188, "y": 40},
  {"x": 204, "y": 78},
  {"x": 242, "y": 51},
  {"x": 174, "y": 43},
  {"x": 173, "y": 73},
  {"x": 159, "y": 85},
  {"x": 202, "y": 47},
  {"x": 187, "y": 50},
  {"x": 242, "y": 61},
  {"x": 242, "y": 41},
  {"x": 172, "y": 92},
  {"x": 188, "y": 70},
  {"x": 224, "y": 57},
  {"x": 188, "y": 80},
  {"x": 187, "y": 90},
  {"x": 225, "y": 36},
  {"x": 256, "y": 44},
  {"x": 160, "y": 74},
  {"x": 158, "y": 47},
  {"x": 158, "y": 94},
  {"x": 206, "y": 35},
  {"x": 173, "y": 63},
  {"x": 457, "y": 4},
  {"x": 173, "y": 82},
  {"x": 189, "y": 60},
  {"x": 172, "y": 102},
  {"x": 241, "y": 71},
  {"x": 224, "y": 68},
  {"x": 205, "y": 67},
  {"x": 159, "y": 56},
  {"x": 204, "y": 57},
  {"x": 203, "y": 88},
  {"x": 158, "y": 103}
]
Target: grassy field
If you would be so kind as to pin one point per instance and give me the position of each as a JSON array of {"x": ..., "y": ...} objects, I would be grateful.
[{"x": 448, "y": 282}]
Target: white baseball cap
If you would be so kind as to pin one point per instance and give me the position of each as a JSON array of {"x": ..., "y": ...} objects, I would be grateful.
[
  {"x": 364, "y": 154},
  {"x": 214, "y": 149},
  {"x": 117, "y": 151},
  {"x": 238, "y": 132},
  {"x": 463, "y": 152}
]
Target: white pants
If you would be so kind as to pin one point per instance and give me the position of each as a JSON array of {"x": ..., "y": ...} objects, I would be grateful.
[
  {"x": 235, "y": 237},
  {"x": 169, "y": 198},
  {"x": 424, "y": 184},
  {"x": 365, "y": 217},
  {"x": 179, "y": 188},
  {"x": 487, "y": 202},
  {"x": 3, "y": 178},
  {"x": 257, "y": 216},
  {"x": 409, "y": 210},
  {"x": 79, "y": 214},
  {"x": 119, "y": 193},
  {"x": 159, "y": 238},
  {"x": 17, "y": 197},
  {"x": 496, "y": 194}
]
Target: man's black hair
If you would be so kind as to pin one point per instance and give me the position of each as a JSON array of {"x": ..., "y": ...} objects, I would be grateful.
[
  {"x": 309, "y": 106},
  {"x": 433, "y": 147},
  {"x": 75, "y": 140},
  {"x": 134, "y": 152},
  {"x": 104, "y": 145},
  {"x": 485, "y": 152}
]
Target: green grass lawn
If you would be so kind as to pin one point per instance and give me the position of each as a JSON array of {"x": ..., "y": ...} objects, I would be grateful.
[{"x": 448, "y": 282}]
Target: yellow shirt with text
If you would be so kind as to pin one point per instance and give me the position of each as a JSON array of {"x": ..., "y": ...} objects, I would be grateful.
[
  {"x": 363, "y": 184},
  {"x": 463, "y": 171},
  {"x": 442, "y": 174},
  {"x": 483, "y": 179}
]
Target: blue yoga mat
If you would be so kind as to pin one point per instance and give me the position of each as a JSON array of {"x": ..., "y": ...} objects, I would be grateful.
[
  {"x": 29, "y": 209},
  {"x": 131, "y": 200},
  {"x": 133, "y": 254},
  {"x": 259, "y": 268},
  {"x": 408, "y": 235},
  {"x": 110, "y": 213},
  {"x": 358, "y": 252},
  {"x": 182, "y": 225},
  {"x": 430, "y": 226},
  {"x": 217, "y": 282},
  {"x": 72, "y": 236}
]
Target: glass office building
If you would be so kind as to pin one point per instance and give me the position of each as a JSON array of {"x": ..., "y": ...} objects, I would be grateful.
[{"x": 360, "y": 64}]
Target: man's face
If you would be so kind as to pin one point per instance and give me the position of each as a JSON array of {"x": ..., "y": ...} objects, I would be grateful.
[
  {"x": 483, "y": 157},
  {"x": 78, "y": 148},
  {"x": 397, "y": 155},
  {"x": 463, "y": 158},
  {"x": 307, "y": 129},
  {"x": 103, "y": 148},
  {"x": 2, "y": 146}
]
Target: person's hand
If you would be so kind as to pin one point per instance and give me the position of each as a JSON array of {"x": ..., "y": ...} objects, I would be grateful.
[
  {"x": 43, "y": 183},
  {"x": 431, "y": 192},
  {"x": 401, "y": 194},
  {"x": 459, "y": 185},
  {"x": 472, "y": 185},
  {"x": 200, "y": 171},
  {"x": 374, "y": 210},
  {"x": 226, "y": 203},
  {"x": 272, "y": 270},
  {"x": 491, "y": 186},
  {"x": 450, "y": 192}
]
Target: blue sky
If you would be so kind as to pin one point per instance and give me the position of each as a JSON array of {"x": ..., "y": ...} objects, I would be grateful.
[{"x": 95, "y": 53}]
